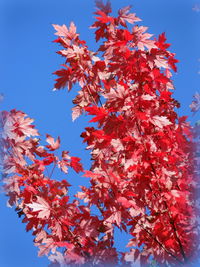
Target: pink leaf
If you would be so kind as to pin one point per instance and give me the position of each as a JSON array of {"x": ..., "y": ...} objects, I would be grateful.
[
  {"x": 53, "y": 145},
  {"x": 42, "y": 207}
]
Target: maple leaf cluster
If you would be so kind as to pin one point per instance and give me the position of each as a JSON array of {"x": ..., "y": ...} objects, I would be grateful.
[{"x": 142, "y": 178}]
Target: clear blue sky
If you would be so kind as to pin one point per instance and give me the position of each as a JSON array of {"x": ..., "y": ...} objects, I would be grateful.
[{"x": 28, "y": 59}]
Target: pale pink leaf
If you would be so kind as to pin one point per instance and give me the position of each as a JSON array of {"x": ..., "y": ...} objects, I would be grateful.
[
  {"x": 42, "y": 206},
  {"x": 160, "y": 121},
  {"x": 53, "y": 145}
]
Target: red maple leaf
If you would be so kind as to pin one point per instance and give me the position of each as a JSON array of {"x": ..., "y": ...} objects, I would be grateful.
[
  {"x": 161, "y": 41},
  {"x": 76, "y": 165}
]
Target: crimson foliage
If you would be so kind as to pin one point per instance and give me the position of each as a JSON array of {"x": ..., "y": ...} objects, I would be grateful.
[{"x": 142, "y": 178}]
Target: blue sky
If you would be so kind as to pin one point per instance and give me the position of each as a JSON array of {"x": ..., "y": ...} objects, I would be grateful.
[{"x": 28, "y": 59}]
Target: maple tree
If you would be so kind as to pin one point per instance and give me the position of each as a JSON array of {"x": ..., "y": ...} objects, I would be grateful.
[{"x": 142, "y": 179}]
